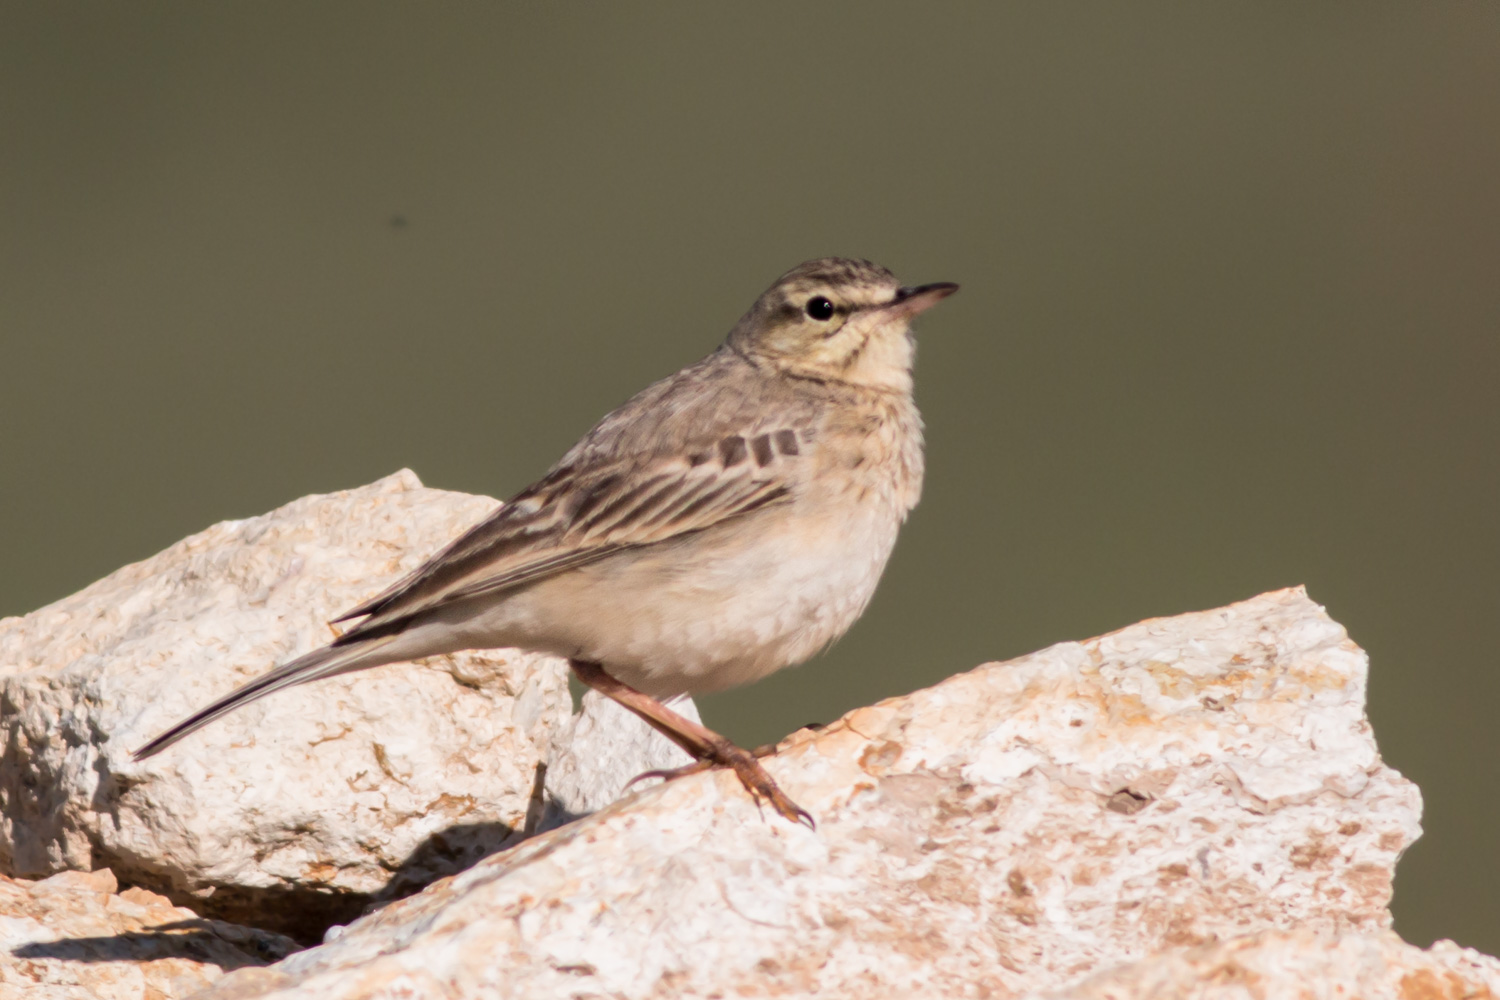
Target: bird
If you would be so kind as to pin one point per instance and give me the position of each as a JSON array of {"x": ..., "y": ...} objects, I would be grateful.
[{"x": 726, "y": 522}]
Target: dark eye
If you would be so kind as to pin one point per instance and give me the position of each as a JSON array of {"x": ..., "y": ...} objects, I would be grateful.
[{"x": 819, "y": 308}]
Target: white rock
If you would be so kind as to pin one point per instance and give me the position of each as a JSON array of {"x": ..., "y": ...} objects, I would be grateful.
[
  {"x": 603, "y": 748},
  {"x": 1016, "y": 828},
  {"x": 74, "y": 937},
  {"x": 1298, "y": 965},
  {"x": 298, "y": 810}
]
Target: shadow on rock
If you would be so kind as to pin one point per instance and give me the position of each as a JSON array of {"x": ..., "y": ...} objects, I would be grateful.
[
  {"x": 445, "y": 853},
  {"x": 306, "y": 913},
  {"x": 205, "y": 941}
]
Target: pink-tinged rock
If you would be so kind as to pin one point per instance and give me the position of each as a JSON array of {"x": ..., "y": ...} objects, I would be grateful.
[
  {"x": 75, "y": 937},
  {"x": 297, "y": 811},
  {"x": 1178, "y": 783},
  {"x": 1298, "y": 965}
]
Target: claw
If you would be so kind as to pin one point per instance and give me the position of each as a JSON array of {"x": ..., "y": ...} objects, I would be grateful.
[
  {"x": 747, "y": 768},
  {"x": 708, "y": 747},
  {"x": 671, "y": 773},
  {"x": 762, "y": 788}
]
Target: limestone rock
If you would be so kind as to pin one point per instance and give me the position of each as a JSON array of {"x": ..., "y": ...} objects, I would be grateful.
[
  {"x": 1016, "y": 828},
  {"x": 297, "y": 811},
  {"x": 74, "y": 937},
  {"x": 1299, "y": 965},
  {"x": 603, "y": 748}
]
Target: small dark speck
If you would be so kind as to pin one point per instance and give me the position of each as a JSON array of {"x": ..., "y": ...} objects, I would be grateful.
[
  {"x": 398, "y": 222},
  {"x": 1127, "y": 802}
]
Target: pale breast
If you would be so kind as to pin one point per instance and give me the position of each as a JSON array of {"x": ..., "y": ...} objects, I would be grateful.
[
  {"x": 725, "y": 606},
  {"x": 723, "y": 609}
]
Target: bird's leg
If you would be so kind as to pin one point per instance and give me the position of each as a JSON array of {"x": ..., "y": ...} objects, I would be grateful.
[{"x": 702, "y": 744}]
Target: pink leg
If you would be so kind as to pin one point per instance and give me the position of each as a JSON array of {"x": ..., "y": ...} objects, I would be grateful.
[{"x": 702, "y": 743}]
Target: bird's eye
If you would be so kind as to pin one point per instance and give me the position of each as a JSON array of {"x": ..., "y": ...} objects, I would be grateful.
[{"x": 819, "y": 308}]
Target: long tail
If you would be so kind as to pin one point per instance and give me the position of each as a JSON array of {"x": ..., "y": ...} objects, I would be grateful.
[{"x": 325, "y": 662}]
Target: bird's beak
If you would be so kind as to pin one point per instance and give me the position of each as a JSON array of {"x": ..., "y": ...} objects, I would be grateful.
[{"x": 911, "y": 301}]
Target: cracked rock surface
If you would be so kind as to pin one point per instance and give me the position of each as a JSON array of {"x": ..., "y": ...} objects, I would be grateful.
[
  {"x": 300, "y": 810},
  {"x": 1191, "y": 806},
  {"x": 1298, "y": 965},
  {"x": 75, "y": 937},
  {"x": 1164, "y": 791}
]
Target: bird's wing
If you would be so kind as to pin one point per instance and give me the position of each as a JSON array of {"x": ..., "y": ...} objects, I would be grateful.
[{"x": 577, "y": 515}]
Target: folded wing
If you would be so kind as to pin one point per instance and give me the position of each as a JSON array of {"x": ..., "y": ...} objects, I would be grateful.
[{"x": 576, "y": 516}]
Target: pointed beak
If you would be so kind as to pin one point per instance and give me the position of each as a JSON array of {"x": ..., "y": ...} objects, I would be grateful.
[{"x": 911, "y": 301}]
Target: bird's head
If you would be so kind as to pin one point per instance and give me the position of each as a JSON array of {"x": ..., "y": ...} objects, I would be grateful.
[{"x": 836, "y": 319}]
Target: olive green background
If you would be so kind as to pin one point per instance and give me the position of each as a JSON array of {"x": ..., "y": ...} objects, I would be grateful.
[{"x": 1230, "y": 317}]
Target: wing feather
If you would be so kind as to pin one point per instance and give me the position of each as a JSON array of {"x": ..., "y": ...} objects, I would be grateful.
[{"x": 577, "y": 516}]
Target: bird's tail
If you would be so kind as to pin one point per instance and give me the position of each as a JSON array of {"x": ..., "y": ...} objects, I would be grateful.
[{"x": 325, "y": 662}]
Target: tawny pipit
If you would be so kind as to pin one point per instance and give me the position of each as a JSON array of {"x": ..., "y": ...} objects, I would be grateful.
[{"x": 728, "y": 521}]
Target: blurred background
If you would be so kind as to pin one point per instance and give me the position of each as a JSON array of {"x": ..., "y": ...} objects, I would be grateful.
[{"x": 1230, "y": 317}]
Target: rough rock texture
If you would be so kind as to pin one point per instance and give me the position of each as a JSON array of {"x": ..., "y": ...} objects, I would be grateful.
[
  {"x": 1299, "y": 965},
  {"x": 72, "y": 937},
  {"x": 1015, "y": 828},
  {"x": 298, "y": 811},
  {"x": 603, "y": 748}
]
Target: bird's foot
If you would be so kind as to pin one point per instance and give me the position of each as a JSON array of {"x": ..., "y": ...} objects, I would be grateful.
[
  {"x": 673, "y": 773},
  {"x": 698, "y": 766},
  {"x": 746, "y": 766},
  {"x": 761, "y": 787}
]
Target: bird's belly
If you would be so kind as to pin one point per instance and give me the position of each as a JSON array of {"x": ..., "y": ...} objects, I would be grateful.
[{"x": 713, "y": 610}]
